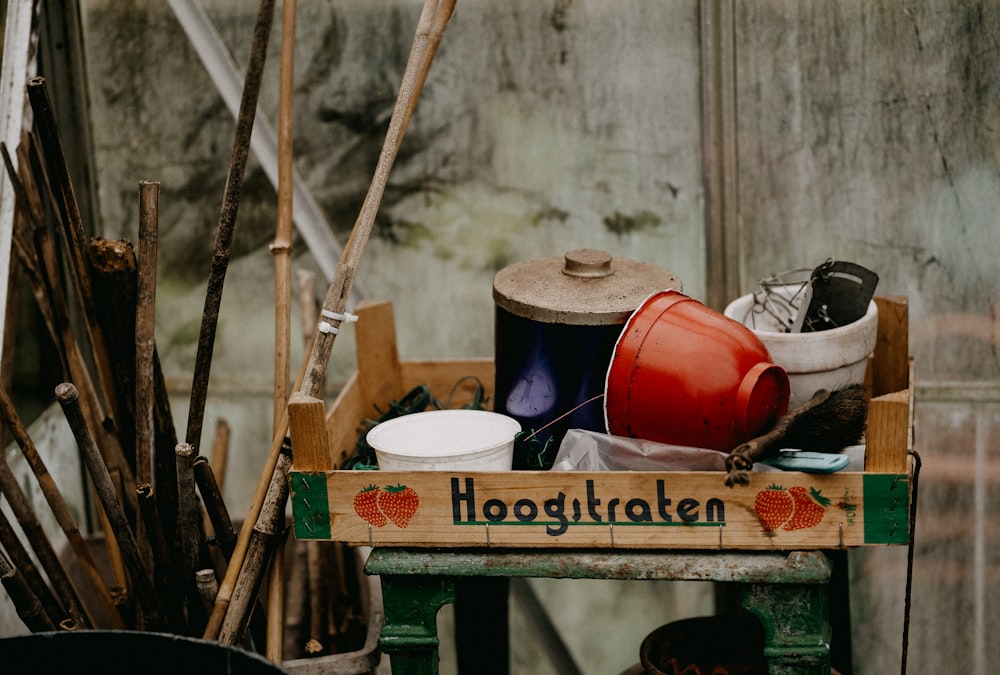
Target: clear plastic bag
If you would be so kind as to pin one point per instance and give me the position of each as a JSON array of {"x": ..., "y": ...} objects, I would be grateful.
[{"x": 583, "y": 450}]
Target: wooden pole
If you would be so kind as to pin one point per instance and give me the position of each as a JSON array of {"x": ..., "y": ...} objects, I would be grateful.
[
  {"x": 430, "y": 27},
  {"x": 227, "y": 222},
  {"x": 67, "y": 396}
]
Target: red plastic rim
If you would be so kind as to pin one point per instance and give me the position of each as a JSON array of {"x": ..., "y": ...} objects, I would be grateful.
[{"x": 763, "y": 395}]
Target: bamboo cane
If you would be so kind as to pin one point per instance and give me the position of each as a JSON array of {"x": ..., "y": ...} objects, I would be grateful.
[
  {"x": 74, "y": 366},
  {"x": 215, "y": 507},
  {"x": 219, "y": 460},
  {"x": 124, "y": 597},
  {"x": 149, "y": 197},
  {"x": 22, "y": 560},
  {"x": 207, "y": 586},
  {"x": 430, "y": 27},
  {"x": 274, "y": 649},
  {"x": 227, "y": 221},
  {"x": 318, "y": 595},
  {"x": 282, "y": 251},
  {"x": 59, "y": 508},
  {"x": 33, "y": 531},
  {"x": 116, "y": 270},
  {"x": 188, "y": 517},
  {"x": 71, "y": 219},
  {"x": 281, "y": 248},
  {"x": 211, "y": 471},
  {"x": 265, "y": 536},
  {"x": 67, "y": 395},
  {"x": 26, "y": 603}
]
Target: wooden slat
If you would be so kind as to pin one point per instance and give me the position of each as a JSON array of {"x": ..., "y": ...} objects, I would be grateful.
[
  {"x": 891, "y": 364},
  {"x": 451, "y": 380},
  {"x": 379, "y": 375},
  {"x": 622, "y": 509},
  {"x": 343, "y": 421}
]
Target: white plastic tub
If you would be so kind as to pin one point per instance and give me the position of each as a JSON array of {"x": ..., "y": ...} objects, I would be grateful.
[
  {"x": 828, "y": 359},
  {"x": 438, "y": 440}
]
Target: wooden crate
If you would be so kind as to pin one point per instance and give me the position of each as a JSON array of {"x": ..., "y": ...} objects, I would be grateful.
[{"x": 601, "y": 510}]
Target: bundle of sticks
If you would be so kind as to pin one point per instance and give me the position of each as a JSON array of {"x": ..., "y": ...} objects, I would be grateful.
[{"x": 174, "y": 561}]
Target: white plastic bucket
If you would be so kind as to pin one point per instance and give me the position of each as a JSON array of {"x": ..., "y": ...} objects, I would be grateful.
[
  {"x": 828, "y": 359},
  {"x": 443, "y": 440}
]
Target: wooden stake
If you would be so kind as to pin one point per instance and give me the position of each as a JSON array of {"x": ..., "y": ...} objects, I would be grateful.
[
  {"x": 430, "y": 27},
  {"x": 68, "y": 397},
  {"x": 227, "y": 222}
]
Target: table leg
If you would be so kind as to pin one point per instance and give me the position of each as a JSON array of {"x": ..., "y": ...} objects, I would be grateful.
[
  {"x": 796, "y": 626},
  {"x": 409, "y": 636}
]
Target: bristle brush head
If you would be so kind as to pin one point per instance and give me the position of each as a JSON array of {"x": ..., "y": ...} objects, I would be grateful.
[{"x": 834, "y": 424}]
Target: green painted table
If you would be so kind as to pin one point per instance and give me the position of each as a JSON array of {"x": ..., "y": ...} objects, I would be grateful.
[{"x": 786, "y": 591}]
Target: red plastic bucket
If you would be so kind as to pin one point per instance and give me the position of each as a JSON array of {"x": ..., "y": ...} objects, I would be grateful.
[{"x": 684, "y": 374}]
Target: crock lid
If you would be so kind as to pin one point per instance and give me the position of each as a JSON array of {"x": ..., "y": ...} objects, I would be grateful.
[{"x": 585, "y": 287}]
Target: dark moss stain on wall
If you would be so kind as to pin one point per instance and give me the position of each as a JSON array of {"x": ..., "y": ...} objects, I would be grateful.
[
  {"x": 401, "y": 232},
  {"x": 548, "y": 216},
  {"x": 622, "y": 224}
]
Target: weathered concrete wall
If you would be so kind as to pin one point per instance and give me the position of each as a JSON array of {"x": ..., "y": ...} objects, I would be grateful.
[
  {"x": 869, "y": 132},
  {"x": 543, "y": 127}
]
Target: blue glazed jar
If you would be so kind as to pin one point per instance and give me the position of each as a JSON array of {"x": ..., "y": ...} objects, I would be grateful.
[{"x": 556, "y": 324}]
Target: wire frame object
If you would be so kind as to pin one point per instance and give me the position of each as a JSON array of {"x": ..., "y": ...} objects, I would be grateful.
[{"x": 780, "y": 300}]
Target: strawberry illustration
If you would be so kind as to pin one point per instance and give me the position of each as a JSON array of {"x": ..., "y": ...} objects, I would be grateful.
[
  {"x": 774, "y": 506},
  {"x": 398, "y": 503},
  {"x": 366, "y": 506},
  {"x": 809, "y": 508}
]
